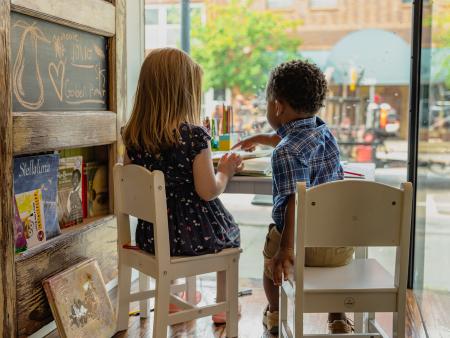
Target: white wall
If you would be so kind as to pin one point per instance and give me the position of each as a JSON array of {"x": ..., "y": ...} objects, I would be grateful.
[{"x": 135, "y": 46}]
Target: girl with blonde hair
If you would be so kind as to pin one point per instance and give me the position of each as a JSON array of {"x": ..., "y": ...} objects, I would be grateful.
[{"x": 163, "y": 133}]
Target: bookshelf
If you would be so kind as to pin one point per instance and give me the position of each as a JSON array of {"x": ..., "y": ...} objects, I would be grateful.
[{"x": 52, "y": 123}]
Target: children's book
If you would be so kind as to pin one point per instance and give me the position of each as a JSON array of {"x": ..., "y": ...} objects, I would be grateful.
[
  {"x": 70, "y": 186},
  {"x": 80, "y": 303},
  {"x": 84, "y": 189},
  {"x": 40, "y": 172},
  {"x": 19, "y": 232},
  {"x": 257, "y": 167},
  {"x": 97, "y": 189},
  {"x": 30, "y": 208},
  {"x": 245, "y": 155}
]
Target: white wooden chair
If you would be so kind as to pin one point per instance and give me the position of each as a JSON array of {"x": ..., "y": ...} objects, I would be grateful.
[
  {"x": 141, "y": 193},
  {"x": 358, "y": 214}
]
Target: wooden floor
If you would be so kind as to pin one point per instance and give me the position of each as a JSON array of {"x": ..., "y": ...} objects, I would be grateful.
[{"x": 250, "y": 322}]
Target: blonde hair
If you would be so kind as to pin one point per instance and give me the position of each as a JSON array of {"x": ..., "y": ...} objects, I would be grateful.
[{"x": 168, "y": 93}]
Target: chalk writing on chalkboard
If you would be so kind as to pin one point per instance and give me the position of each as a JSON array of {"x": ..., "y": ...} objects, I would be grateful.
[{"x": 56, "y": 68}]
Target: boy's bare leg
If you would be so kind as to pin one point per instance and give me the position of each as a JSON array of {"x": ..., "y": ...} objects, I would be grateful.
[{"x": 272, "y": 293}]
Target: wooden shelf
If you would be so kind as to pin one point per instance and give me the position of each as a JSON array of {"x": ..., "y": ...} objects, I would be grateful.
[
  {"x": 95, "y": 237},
  {"x": 66, "y": 234},
  {"x": 47, "y": 131}
]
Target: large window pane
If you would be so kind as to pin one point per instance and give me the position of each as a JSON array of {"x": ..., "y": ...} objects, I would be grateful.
[
  {"x": 364, "y": 51},
  {"x": 432, "y": 246},
  {"x": 363, "y": 47}
]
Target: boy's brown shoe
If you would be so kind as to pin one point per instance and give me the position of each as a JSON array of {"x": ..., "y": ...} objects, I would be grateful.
[
  {"x": 340, "y": 326},
  {"x": 270, "y": 320}
]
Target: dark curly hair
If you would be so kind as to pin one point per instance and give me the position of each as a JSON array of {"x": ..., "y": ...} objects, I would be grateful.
[{"x": 300, "y": 84}]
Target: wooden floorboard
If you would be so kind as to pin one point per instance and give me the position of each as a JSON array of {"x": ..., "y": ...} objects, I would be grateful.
[
  {"x": 250, "y": 325},
  {"x": 435, "y": 312},
  {"x": 414, "y": 326}
]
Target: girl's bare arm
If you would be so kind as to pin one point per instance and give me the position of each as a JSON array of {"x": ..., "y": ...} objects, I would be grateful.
[{"x": 210, "y": 185}]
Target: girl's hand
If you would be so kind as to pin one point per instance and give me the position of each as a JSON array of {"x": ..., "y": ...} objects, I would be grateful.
[
  {"x": 230, "y": 164},
  {"x": 249, "y": 144}
]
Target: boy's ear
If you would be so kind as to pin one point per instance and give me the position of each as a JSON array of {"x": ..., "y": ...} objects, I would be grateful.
[{"x": 279, "y": 107}]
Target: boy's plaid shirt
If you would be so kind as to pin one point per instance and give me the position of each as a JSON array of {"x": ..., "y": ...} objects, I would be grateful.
[{"x": 307, "y": 152}]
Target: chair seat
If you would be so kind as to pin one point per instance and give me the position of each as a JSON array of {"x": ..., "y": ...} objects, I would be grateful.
[
  {"x": 224, "y": 252},
  {"x": 359, "y": 276},
  {"x": 179, "y": 259}
]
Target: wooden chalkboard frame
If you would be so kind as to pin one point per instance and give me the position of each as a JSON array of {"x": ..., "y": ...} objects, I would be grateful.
[
  {"x": 80, "y": 14},
  {"x": 20, "y": 133},
  {"x": 7, "y": 266}
]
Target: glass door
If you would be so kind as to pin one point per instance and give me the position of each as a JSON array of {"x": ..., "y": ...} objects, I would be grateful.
[{"x": 432, "y": 232}]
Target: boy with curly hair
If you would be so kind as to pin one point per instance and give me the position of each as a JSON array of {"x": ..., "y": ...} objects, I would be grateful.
[{"x": 304, "y": 150}]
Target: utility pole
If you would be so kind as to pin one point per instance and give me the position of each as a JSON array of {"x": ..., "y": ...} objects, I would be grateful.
[{"x": 185, "y": 26}]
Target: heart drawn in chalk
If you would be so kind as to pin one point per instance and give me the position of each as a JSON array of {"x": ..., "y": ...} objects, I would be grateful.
[{"x": 56, "y": 73}]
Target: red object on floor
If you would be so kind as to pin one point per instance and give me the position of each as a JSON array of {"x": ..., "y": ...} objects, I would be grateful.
[
  {"x": 174, "y": 308},
  {"x": 221, "y": 317}
]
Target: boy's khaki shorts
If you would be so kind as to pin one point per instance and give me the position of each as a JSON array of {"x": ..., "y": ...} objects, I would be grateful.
[{"x": 330, "y": 257}]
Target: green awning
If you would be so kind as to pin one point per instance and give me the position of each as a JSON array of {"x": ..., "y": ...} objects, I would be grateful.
[
  {"x": 319, "y": 57},
  {"x": 379, "y": 56}
]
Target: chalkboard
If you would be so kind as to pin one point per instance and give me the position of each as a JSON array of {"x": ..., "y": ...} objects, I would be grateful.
[{"x": 56, "y": 68}]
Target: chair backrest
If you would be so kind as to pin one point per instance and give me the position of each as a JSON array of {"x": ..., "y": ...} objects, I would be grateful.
[
  {"x": 353, "y": 213},
  {"x": 141, "y": 193}
]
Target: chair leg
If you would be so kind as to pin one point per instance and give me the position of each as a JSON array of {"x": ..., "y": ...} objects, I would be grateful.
[
  {"x": 123, "y": 298},
  {"x": 360, "y": 322},
  {"x": 162, "y": 297},
  {"x": 370, "y": 318},
  {"x": 191, "y": 289},
  {"x": 398, "y": 326},
  {"x": 283, "y": 312},
  {"x": 232, "y": 281},
  {"x": 144, "y": 285},
  {"x": 298, "y": 315}
]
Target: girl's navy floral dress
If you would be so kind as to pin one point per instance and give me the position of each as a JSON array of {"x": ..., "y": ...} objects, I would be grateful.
[{"x": 196, "y": 226}]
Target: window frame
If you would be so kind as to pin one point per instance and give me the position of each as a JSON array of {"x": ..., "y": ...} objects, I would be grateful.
[
  {"x": 282, "y": 6},
  {"x": 163, "y": 27},
  {"x": 313, "y": 7}
]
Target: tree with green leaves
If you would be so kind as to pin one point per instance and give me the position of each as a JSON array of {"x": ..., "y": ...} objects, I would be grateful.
[
  {"x": 238, "y": 45},
  {"x": 441, "y": 39}
]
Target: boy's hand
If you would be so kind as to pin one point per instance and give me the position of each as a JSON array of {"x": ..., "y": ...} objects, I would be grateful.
[
  {"x": 248, "y": 144},
  {"x": 282, "y": 265}
]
